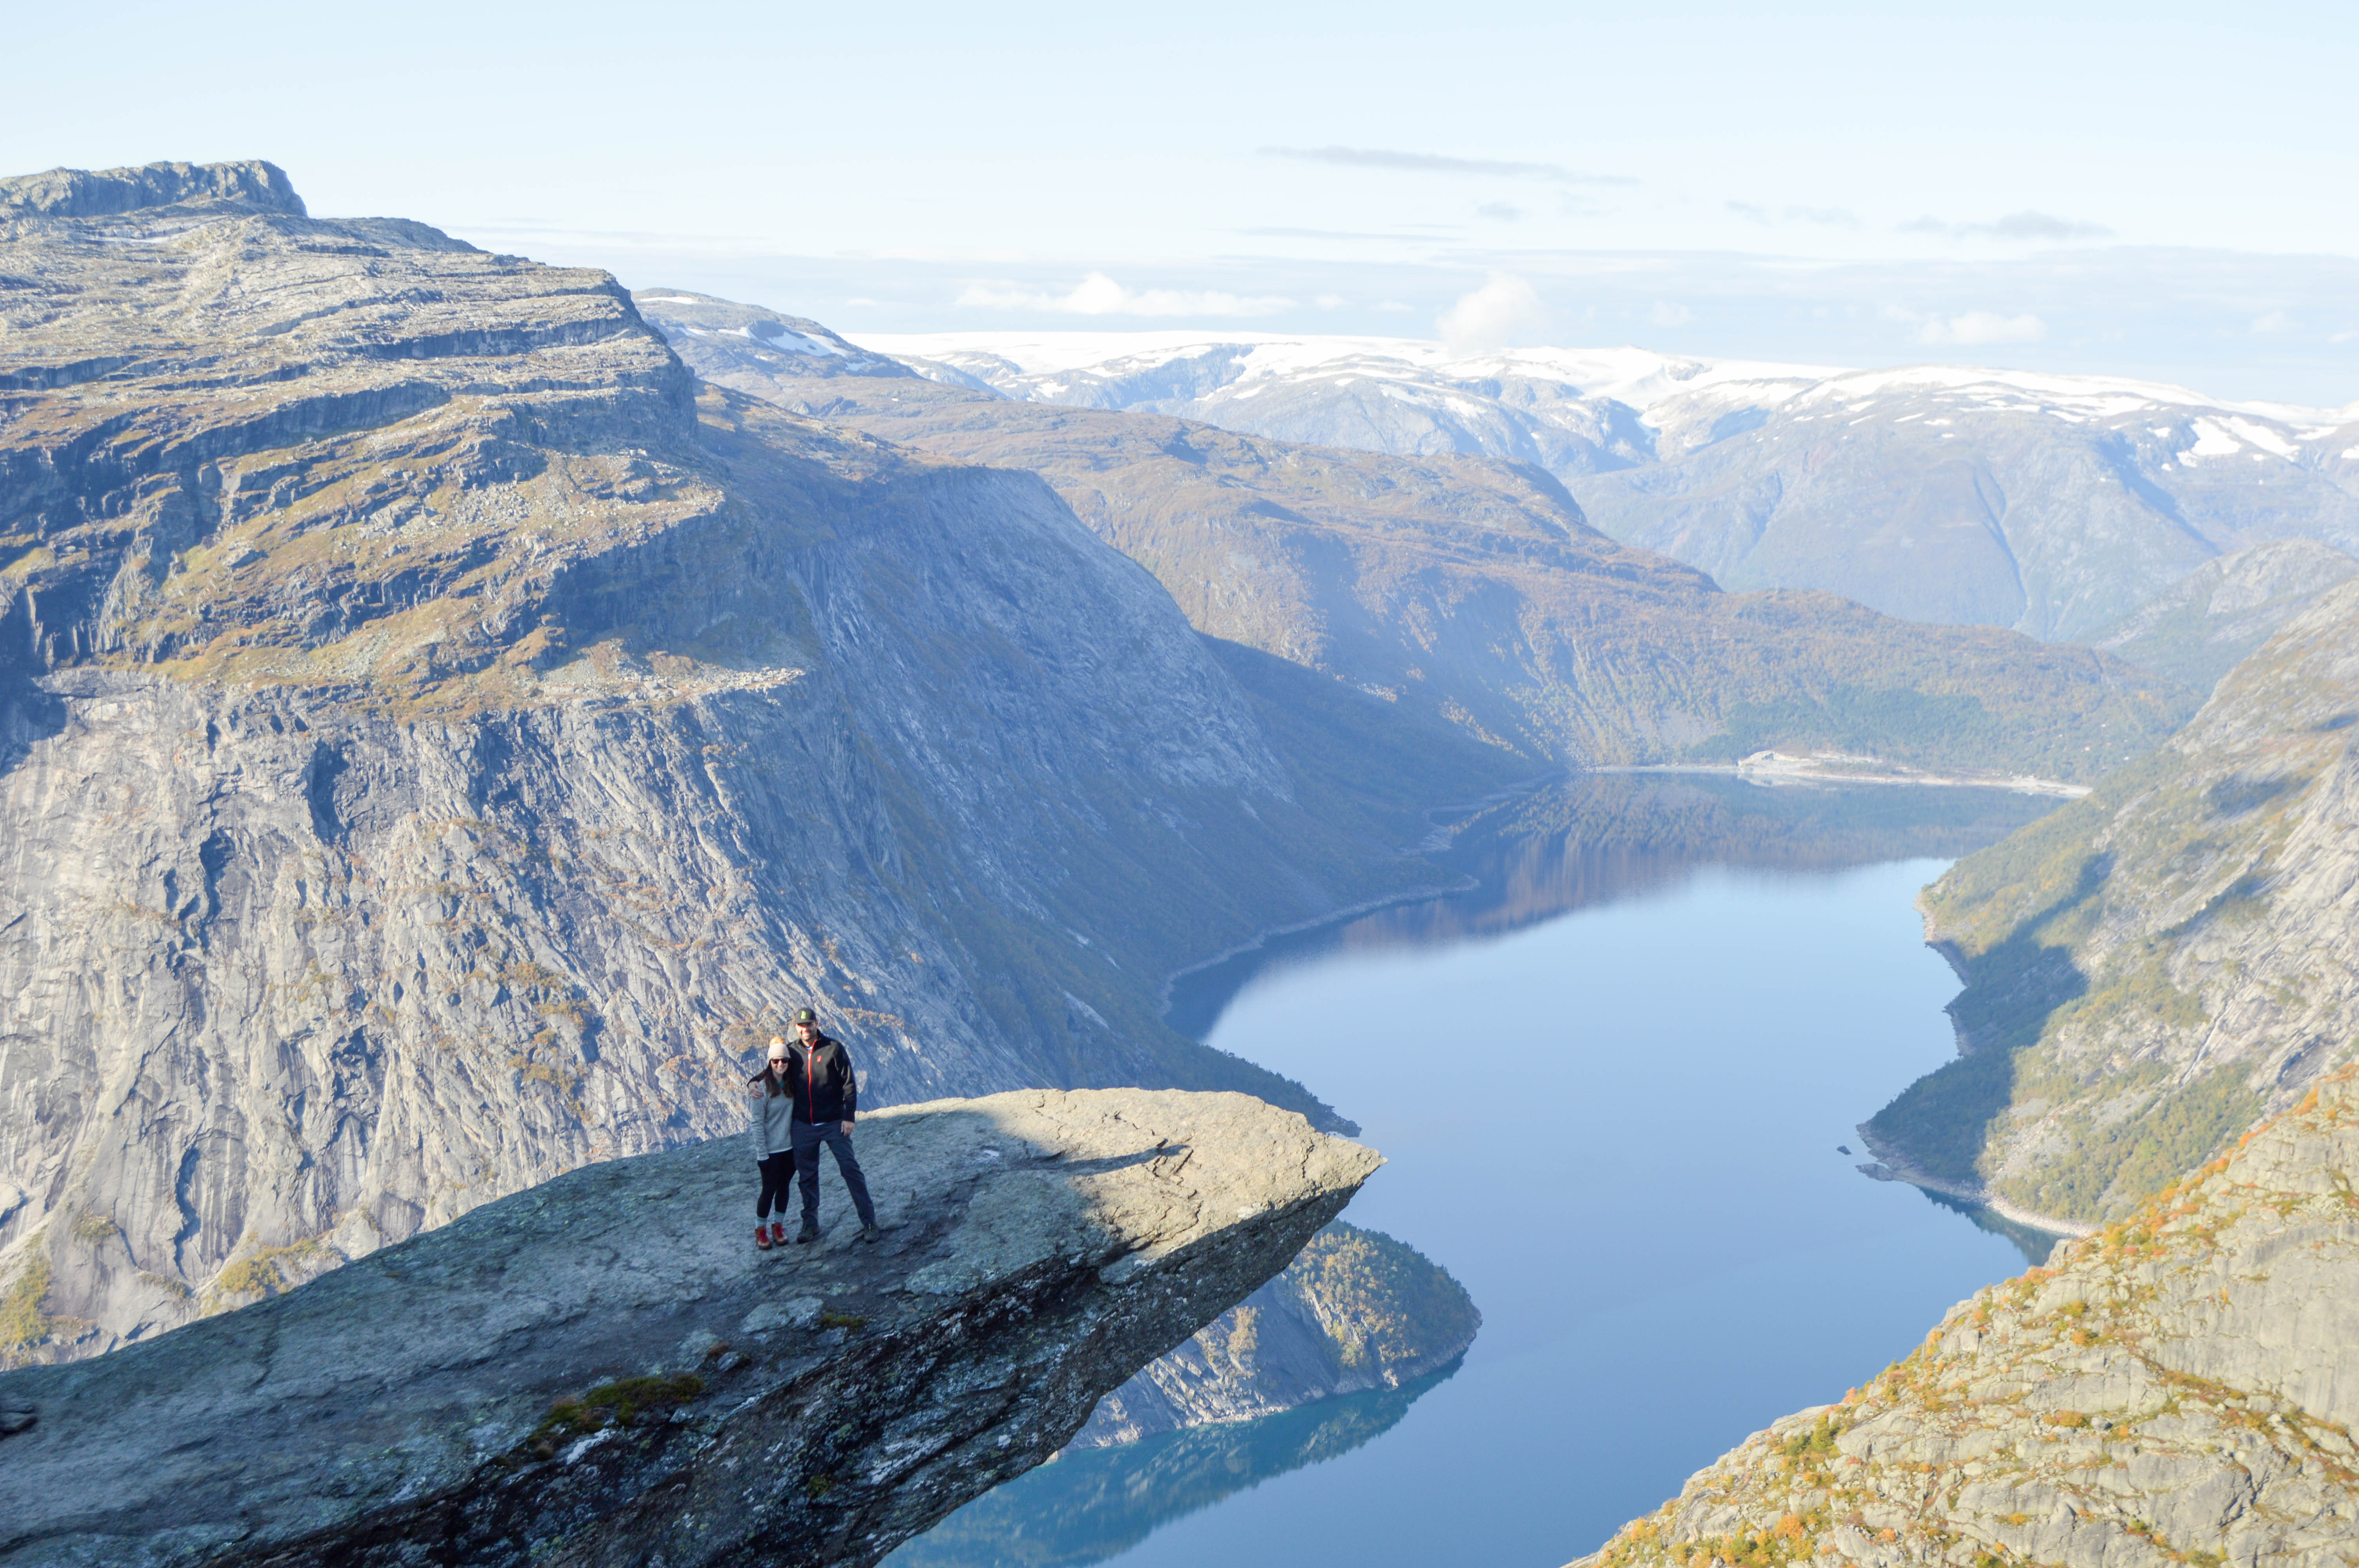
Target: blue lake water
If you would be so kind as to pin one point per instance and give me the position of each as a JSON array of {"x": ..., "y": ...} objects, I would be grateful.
[{"x": 1611, "y": 1084}]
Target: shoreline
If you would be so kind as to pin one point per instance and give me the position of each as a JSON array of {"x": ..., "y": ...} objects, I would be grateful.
[
  {"x": 1897, "y": 1167},
  {"x": 1780, "y": 769},
  {"x": 1435, "y": 840}
]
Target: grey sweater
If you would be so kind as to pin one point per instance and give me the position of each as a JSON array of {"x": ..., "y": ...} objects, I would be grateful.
[{"x": 773, "y": 1129}]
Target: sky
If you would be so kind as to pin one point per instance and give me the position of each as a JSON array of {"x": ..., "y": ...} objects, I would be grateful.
[{"x": 2157, "y": 190}]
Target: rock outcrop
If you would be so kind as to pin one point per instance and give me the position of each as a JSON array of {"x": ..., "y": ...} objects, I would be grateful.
[
  {"x": 437, "y": 738},
  {"x": 1355, "y": 1311},
  {"x": 1470, "y": 594},
  {"x": 602, "y": 1370},
  {"x": 2178, "y": 1389},
  {"x": 2217, "y": 616},
  {"x": 2151, "y": 969}
]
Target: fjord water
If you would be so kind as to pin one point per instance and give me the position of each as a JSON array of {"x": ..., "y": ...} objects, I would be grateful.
[{"x": 1611, "y": 1083}]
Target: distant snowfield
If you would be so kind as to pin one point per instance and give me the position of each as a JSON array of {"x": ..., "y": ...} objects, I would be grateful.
[
  {"x": 1639, "y": 379},
  {"x": 2053, "y": 504}
]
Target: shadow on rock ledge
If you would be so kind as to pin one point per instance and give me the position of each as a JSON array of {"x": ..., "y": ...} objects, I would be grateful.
[{"x": 602, "y": 1370}]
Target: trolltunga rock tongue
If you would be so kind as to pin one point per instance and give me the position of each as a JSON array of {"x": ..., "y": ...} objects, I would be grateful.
[{"x": 603, "y": 1368}]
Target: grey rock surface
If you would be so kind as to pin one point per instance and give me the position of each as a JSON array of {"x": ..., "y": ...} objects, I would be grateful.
[
  {"x": 463, "y": 1397},
  {"x": 1355, "y": 1311},
  {"x": 2152, "y": 970},
  {"x": 2212, "y": 620},
  {"x": 438, "y": 740},
  {"x": 2179, "y": 1388}
]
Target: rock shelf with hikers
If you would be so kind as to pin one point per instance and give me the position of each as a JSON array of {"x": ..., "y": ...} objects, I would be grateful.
[{"x": 805, "y": 1098}]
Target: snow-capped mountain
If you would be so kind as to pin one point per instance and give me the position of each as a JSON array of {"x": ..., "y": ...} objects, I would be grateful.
[{"x": 2053, "y": 504}]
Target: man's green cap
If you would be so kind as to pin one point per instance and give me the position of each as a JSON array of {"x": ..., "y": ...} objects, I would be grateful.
[{"x": 805, "y": 1015}]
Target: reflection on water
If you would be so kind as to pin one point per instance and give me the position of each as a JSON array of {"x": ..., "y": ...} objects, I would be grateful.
[
  {"x": 1596, "y": 837},
  {"x": 1098, "y": 1502},
  {"x": 2035, "y": 1245},
  {"x": 1611, "y": 1081}
]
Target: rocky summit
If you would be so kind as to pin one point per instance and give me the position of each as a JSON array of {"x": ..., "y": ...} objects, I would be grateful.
[
  {"x": 603, "y": 1371},
  {"x": 438, "y": 740},
  {"x": 2179, "y": 1388}
]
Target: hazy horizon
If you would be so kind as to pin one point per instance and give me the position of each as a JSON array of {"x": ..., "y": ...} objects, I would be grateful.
[{"x": 2096, "y": 189}]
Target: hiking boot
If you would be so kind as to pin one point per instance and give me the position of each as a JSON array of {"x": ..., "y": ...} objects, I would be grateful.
[
  {"x": 762, "y": 1237},
  {"x": 872, "y": 1233},
  {"x": 808, "y": 1233},
  {"x": 778, "y": 1233}
]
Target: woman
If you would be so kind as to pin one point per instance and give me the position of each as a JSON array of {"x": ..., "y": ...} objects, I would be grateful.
[{"x": 774, "y": 1145}]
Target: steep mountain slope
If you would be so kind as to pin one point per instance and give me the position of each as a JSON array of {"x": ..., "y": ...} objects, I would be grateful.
[
  {"x": 438, "y": 739},
  {"x": 2180, "y": 1389},
  {"x": 2149, "y": 969},
  {"x": 2051, "y": 504},
  {"x": 1469, "y": 593},
  {"x": 2210, "y": 621}
]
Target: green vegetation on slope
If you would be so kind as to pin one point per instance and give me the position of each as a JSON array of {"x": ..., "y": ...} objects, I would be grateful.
[{"x": 2152, "y": 969}]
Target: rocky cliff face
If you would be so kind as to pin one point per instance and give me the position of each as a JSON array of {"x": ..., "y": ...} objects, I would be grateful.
[
  {"x": 438, "y": 739},
  {"x": 2151, "y": 969},
  {"x": 2178, "y": 1389},
  {"x": 1470, "y": 594},
  {"x": 602, "y": 1370},
  {"x": 1355, "y": 1311},
  {"x": 2218, "y": 615}
]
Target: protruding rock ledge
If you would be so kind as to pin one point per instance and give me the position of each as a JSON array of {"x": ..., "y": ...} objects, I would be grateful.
[{"x": 603, "y": 1368}]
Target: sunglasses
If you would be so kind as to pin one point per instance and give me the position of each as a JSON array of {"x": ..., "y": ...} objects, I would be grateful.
[{"x": 778, "y": 1060}]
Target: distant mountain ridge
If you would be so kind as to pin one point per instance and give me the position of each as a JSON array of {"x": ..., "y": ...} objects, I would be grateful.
[
  {"x": 2051, "y": 504},
  {"x": 1467, "y": 594}
]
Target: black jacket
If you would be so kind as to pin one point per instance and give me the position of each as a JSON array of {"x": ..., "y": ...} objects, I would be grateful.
[{"x": 822, "y": 1080}]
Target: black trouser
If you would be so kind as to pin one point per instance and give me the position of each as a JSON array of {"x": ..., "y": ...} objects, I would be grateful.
[
  {"x": 776, "y": 1172},
  {"x": 807, "y": 1142}
]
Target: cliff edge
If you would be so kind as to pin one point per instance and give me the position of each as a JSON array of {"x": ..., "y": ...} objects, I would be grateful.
[{"x": 602, "y": 1367}]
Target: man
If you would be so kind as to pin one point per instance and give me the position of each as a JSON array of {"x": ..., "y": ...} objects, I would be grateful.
[{"x": 827, "y": 1100}]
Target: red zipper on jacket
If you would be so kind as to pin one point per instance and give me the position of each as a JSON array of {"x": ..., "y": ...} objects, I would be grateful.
[{"x": 810, "y": 1085}]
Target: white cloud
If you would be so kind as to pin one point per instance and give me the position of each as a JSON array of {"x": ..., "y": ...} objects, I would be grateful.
[
  {"x": 1098, "y": 295},
  {"x": 1666, "y": 314},
  {"x": 1980, "y": 326},
  {"x": 1488, "y": 318},
  {"x": 2275, "y": 321},
  {"x": 1839, "y": 217},
  {"x": 2039, "y": 227},
  {"x": 1440, "y": 163}
]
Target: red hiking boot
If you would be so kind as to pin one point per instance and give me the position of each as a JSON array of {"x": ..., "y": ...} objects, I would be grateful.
[
  {"x": 778, "y": 1233},
  {"x": 762, "y": 1237}
]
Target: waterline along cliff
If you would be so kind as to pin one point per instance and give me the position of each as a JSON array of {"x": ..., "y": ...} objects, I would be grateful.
[
  {"x": 599, "y": 1372},
  {"x": 437, "y": 738},
  {"x": 2151, "y": 969},
  {"x": 2179, "y": 1388}
]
